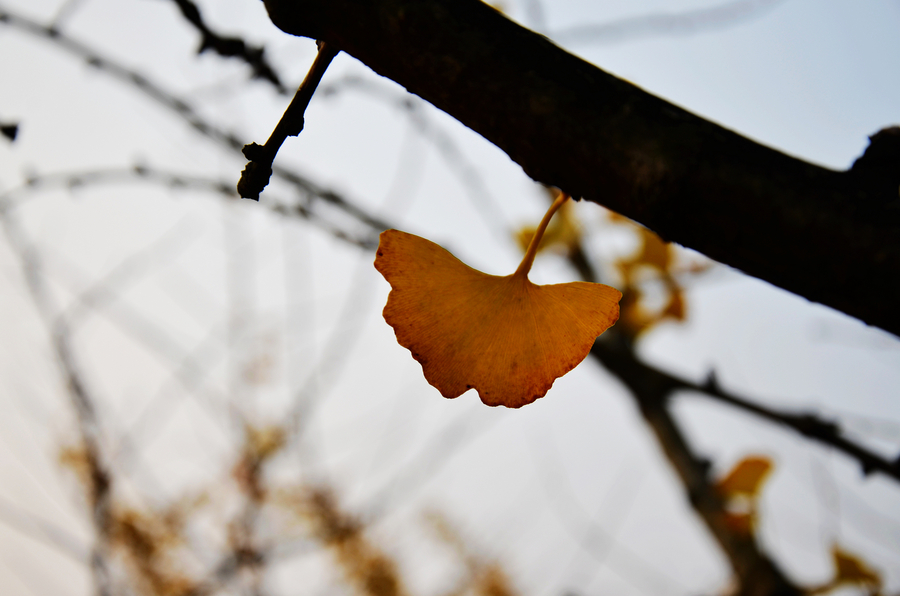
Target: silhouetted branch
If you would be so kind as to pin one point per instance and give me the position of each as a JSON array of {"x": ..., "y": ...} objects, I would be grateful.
[
  {"x": 305, "y": 187},
  {"x": 807, "y": 424},
  {"x": 366, "y": 237},
  {"x": 230, "y": 47},
  {"x": 255, "y": 176}
]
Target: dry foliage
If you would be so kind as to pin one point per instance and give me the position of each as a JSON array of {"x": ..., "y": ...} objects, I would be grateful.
[{"x": 504, "y": 336}]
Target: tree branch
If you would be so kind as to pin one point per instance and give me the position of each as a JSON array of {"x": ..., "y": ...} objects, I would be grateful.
[
  {"x": 255, "y": 176},
  {"x": 230, "y": 47},
  {"x": 304, "y": 186},
  {"x": 665, "y": 23},
  {"x": 98, "y": 479},
  {"x": 809, "y": 425},
  {"x": 833, "y": 237},
  {"x": 757, "y": 574},
  {"x": 354, "y": 228}
]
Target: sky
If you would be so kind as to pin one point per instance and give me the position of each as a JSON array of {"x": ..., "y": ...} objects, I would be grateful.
[{"x": 266, "y": 314}]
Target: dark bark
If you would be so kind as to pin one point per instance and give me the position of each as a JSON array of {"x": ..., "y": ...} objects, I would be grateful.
[{"x": 832, "y": 237}]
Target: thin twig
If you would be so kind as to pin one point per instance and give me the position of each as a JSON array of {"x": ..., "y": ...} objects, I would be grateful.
[
  {"x": 230, "y": 47},
  {"x": 307, "y": 188},
  {"x": 366, "y": 238},
  {"x": 99, "y": 480},
  {"x": 256, "y": 175},
  {"x": 714, "y": 18},
  {"x": 807, "y": 424}
]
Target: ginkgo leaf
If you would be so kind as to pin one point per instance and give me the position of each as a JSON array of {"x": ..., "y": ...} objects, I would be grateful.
[
  {"x": 504, "y": 336},
  {"x": 746, "y": 478}
]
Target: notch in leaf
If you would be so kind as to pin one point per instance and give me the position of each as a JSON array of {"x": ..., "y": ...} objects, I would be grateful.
[{"x": 504, "y": 336}]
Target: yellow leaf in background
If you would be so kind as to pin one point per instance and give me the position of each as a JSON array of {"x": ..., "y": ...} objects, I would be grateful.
[
  {"x": 504, "y": 336},
  {"x": 849, "y": 569},
  {"x": 655, "y": 260},
  {"x": 746, "y": 478},
  {"x": 675, "y": 308},
  {"x": 740, "y": 523}
]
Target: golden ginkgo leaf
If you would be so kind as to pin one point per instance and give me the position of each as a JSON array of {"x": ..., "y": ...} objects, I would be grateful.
[{"x": 504, "y": 336}]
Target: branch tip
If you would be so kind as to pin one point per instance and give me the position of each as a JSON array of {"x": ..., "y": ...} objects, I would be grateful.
[{"x": 256, "y": 175}]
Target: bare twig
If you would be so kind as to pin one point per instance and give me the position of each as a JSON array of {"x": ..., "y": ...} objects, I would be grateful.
[
  {"x": 807, "y": 424},
  {"x": 689, "y": 22},
  {"x": 97, "y": 478},
  {"x": 255, "y": 176},
  {"x": 230, "y": 47},
  {"x": 305, "y": 187},
  {"x": 366, "y": 238}
]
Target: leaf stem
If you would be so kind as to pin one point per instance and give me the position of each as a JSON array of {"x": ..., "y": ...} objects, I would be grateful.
[{"x": 528, "y": 259}]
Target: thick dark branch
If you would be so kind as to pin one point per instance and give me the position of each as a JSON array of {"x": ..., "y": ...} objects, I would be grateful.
[{"x": 832, "y": 237}]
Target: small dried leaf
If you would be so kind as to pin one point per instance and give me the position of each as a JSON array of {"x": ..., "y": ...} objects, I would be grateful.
[
  {"x": 740, "y": 523},
  {"x": 850, "y": 569},
  {"x": 746, "y": 478},
  {"x": 505, "y": 336}
]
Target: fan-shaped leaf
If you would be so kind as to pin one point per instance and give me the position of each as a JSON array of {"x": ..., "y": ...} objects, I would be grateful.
[{"x": 504, "y": 336}]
